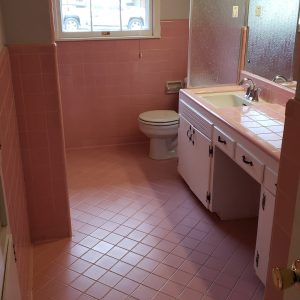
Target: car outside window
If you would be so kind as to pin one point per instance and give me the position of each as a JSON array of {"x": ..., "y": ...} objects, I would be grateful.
[{"x": 92, "y": 19}]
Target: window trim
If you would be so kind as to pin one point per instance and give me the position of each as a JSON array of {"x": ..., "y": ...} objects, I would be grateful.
[{"x": 153, "y": 33}]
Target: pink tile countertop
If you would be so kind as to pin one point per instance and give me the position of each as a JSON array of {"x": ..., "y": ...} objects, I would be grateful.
[{"x": 262, "y": 123}]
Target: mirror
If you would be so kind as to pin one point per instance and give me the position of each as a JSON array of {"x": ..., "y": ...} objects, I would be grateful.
[{"x": 273, "y": 28}]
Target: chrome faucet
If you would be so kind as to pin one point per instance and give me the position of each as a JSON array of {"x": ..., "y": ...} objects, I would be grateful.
[
  {"x": 252, "y": 91},
  {"x": 279, "y": 79}
]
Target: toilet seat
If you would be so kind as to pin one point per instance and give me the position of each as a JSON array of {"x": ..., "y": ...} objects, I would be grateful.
[{"x": 159, "y": 117}]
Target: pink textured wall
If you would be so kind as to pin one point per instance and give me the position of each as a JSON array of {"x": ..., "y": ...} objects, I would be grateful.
[
  {"x": 42, "y": 143},
  {"x": 13, "y": 176},
  {"x": 297, "y": 57},
  {"x": 105, "y": 85},
  {"x": 289, "y": 174}
]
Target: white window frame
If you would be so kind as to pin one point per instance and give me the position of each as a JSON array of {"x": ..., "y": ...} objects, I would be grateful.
[{"x": 153, "y": 32}]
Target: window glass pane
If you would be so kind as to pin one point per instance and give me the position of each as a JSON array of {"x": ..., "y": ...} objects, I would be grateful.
[
  {"x": 106, "y": 15},
  {"x": 75, "y": 15},
  {"x": 135, "y": 14},
  {"x": 104, "y": 18}
]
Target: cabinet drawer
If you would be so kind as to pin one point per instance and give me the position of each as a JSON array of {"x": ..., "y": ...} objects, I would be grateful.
[
  {"x": 270, "y": 180},
  {"x": 249, "y": 163},
  {"x": 198, "y": 121},
  {"x": 224, "y": 142}
]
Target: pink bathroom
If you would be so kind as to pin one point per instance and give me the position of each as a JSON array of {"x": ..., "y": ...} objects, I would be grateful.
[{"x": 149, "y": 149}]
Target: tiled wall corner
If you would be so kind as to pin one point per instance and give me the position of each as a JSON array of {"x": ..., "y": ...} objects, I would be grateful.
[
  {"x": 42, "y": 142},
  {"x": 289, "y": 175},
  {"x": 13, "y": 176},
  {"x": 105, "y": 84}
]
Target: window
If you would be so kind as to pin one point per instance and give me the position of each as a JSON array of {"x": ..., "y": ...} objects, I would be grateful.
[{"x": 94, "y": 19}]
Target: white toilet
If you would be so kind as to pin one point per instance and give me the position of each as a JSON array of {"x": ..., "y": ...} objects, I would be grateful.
[{"x": 161, "y": 126}]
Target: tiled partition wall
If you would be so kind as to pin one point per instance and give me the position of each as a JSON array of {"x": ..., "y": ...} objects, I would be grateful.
[
  {"x": 42, "y": 143},
  {"x": 106, "y": 84},
  {"x": 13, "y": 176}
]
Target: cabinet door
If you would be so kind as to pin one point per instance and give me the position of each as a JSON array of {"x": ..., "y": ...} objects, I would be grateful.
[
  {"x": 200, "y": 166},
  {"x": 194, "y": 159},
  {"x": 184, "y": 149},
  {"x": 264, "y": 232}
]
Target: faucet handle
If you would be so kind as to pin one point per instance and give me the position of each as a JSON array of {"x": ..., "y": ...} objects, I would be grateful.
[
  {"x": 255, "y": 94},
  {"x": 248, "y": 91}
]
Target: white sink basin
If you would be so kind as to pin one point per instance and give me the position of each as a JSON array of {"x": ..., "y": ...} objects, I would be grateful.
[{"x": 226, "y": 99}]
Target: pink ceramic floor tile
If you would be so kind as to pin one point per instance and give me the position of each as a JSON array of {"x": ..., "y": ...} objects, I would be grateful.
[
  {"x": 162, "y": 296},
  {"x": 127, "y": 244},
  {"x": 82, "y": 283},
  {"x": 142, "y": 249},
  {"x": 117, "y": 252},
  {"x": 94, "y": 272},
  {"x": 155, "y": 282},
  {"x": 181, "y": 277},
  {"x": 132, "y": 258},
  {"x": 138, "y": 275},
  {"x": 121, "y": 268},
  {"x": 106, "y": 262},
  {"x": 80, "y": 266},
  {"x": 199, "y": 284},
  {"x": 164, "y": 271},
  {"x": 92, "y": 256},
  {"x": 140, "y": 233},
  {"x": 89, "y": 242},
  {"x": 151, "y": 240},
  {"x": 218, "y": 292},
  {"x": 147, "y": 264},
  {"x": 157, "y": 254},
  {"x": 173, "y": 261},
  {"x": 78, "y": 250},
  {"x": 172, "y": 289},
  {"x": 115, "y": 295},
  {"x": 103, "y": 247},
  {"x": 113, "y": 238},
  {"x": 98, "y": 290},
  {"x": 127, "y": 286},
  {"x": 110, "y": 279},
  {"x": 144, "y": 292},
  {"x": 190, "y": 295}
]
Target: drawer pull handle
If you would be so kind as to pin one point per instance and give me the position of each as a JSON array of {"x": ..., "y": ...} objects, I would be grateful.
[
  {"x": 257, "y": 259},
  {"x": 248, "y": 162},
  {"x": 263, "y": 202},
  {"x": 221, "y": 141},
  {"x": 192, "y": 137},
  {"x": 189, "y": 134}
]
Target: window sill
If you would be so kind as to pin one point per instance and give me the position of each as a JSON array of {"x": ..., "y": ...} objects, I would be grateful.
[{"x": 74, "y": 39}]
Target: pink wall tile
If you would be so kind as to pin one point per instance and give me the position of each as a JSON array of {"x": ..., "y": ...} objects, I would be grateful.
[
  {"x": 13, "y": 176},
  {"x": 105, "y": 85},
  {"x": 42, "y": 142}
]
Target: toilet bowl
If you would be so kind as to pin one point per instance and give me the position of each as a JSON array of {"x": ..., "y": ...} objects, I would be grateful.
[{"x": 161, "y": 126}]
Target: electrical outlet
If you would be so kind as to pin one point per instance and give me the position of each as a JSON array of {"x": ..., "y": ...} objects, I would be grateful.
[
  {"x": 258, "y": 10},
  {"x": 235, "y": 11}
]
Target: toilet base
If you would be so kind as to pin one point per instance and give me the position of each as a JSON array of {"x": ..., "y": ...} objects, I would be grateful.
[{"x": 163, "y": 148}]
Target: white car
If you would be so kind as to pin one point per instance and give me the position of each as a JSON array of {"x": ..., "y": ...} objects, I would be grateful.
[{"x": 104, "y": 15}]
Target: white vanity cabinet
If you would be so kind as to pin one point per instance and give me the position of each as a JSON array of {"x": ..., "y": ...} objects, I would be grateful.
[
  {"x": 194, "y": 151},
  {"x": 265, "y": 222},
  {"x": 228, "y": 170}
]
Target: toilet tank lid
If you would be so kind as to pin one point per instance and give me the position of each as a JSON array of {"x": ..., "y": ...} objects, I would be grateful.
[{"x": 159, "y": 116}]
